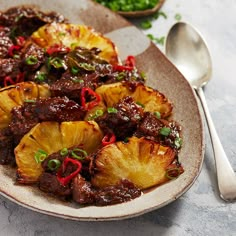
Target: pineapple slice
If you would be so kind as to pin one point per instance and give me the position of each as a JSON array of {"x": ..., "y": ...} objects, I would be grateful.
[
  {"x": 71, "y": 35},
  {"x": 15, "y": 95},
  {"x": 141, "y": 161},
  {"x": 52, "y": 137},
  {"x": 151, "y": 99}
]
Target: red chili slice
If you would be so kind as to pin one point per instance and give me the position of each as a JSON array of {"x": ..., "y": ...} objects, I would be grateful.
[
  {"x": 88, "y": 91},
  {"x": 108, "y": 139},
  {"x": 57, "y": 48},
  {"x": 130, "y": 61},
  {"x": 65, "y": 180},
  {"x": 13, "y": 49}
]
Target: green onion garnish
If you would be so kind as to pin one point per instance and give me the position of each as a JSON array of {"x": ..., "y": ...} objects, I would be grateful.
[
  {"x": 87, "y": 66},
  {"x": 29, "y": 101},
  {"x": 40, "y": 76},
  {"x": 79, "y": 154},
  {"x": 165, "y": 131},
  {"x": 54, "y": 164},
  {"x": 178, "y": 142},
  {"x": 40, "y": 156},
  {"x": 64, "y": 152},
  {"x": 31, "y": 60},
  {"x": 157, "y": 114},
  {"x": 112, "y": 110},
  {"x": 172, "y": 173},
  {"x": 74, "y": 70},
  {"x": 147, "y": 24},
  {"x": 56, "y": 62},
  {"x": 140, "y": 104},
  {"x": 98, "y": 113},
  {"x": 178, "y": 17}
]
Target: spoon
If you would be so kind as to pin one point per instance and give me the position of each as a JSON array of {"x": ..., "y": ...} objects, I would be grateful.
[{"x": 187, "y": 50}]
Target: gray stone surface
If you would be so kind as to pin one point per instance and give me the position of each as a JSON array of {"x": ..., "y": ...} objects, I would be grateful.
[{"x": 200, "y": 211}]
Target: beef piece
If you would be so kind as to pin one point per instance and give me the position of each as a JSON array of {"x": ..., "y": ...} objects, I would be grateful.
[
  {"x": 124, "y": 122},
  {"x": 6, "y": 149},
  {"x": 149, "y": 126},
  {"x": 9, "y": 67},
  {"x": 71, "y": 86},
  {"x": 5, "y": 42},
  {"x": 36, "y": 53},
  {"x": 122, "y": 192},
  {"x": 50, "y": 184},
  {"x": 26, "y": 20},
  {"x": 84, "y": 193}
]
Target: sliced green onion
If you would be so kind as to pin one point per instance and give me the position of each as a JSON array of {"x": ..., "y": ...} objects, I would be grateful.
[
  {"x": 178, "y": 17},
  {"x": 172, "y": 173},
  {"x": 140, "y": 104},
  {"x": 40, "y": 156},
  {"x": 147, "y": 24},
  {"x": 40, "y": 76},
  {"x": 56, "y": 62},
  {"x": 31, "y": 60},
  {"x": 120, "y": 76},
  {"x": 87, "y": 66},
  {"x": 126, "y": 140},
  {"x": 157, "y": 114},
  {"x": 74, "y": 70},
  {"x": 98, "y": 113},
  {"x": 165, "y": 131},
  {"x": 79, "y": 154},
  {"x": 54, "y": 164},
  {"x": 178, "y": 142},
  {"x": 112, "y": 110},
  {"x": 64, "y": 152},
  {"x": 29, "y": 101}
]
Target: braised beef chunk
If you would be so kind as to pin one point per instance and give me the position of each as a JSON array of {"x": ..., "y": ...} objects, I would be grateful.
[
  {"x": 5, "y": 41},
  {"x": 6, "y": 149},
  {"x": 149, "y": 126},
  {"x": 32, "y": 57},
  {"x": 123, "y": 123},
  {"x": 25, "y": 20},
  {"x": 9, "y": 68},
  {"x": 84, "y": 193},
  {"x": 50, "y": 184}
]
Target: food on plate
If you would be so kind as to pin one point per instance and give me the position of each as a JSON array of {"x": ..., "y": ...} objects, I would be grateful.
[{"x": 75, "y": 120}]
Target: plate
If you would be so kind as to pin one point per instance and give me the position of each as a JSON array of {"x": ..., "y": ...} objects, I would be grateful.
[
  {"x": 163, "y": 76},
  {"x": 147, "y": 12}
]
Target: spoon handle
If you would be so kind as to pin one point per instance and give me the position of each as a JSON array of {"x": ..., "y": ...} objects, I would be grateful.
[{"x": 225, "y": 174}]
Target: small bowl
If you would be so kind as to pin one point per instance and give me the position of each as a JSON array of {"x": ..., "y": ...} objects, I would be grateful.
[{"x": 132, "y": 14}]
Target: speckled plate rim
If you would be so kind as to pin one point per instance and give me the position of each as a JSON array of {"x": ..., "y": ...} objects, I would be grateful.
[{"x": 163, "y": 76}]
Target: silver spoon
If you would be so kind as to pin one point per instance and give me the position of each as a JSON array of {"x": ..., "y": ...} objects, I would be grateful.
[{"x": 187, "y": 50}]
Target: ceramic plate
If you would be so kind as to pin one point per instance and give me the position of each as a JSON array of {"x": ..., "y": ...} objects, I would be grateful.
[{"x": 161, "y": 75}]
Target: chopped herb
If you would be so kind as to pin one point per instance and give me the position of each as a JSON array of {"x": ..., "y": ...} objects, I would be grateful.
[
  {"x": 74, "y": 70},
  {"x": 79, "y": 154},
  {"x": 158, "y": 14},
  {"x": 31, "y": 60},
  {"x": 29, "y": 101},
  {"x": 157, "y": 114},
  {"x": 54, "y": 164},
  {"x": 64, "y": 152},
  {"x": 40, "y": 156},
  {"x": 112, "y": 110},
  {"x": 140, "y": 104},
  {"x": 165, "y": 131},
  {"x": 147, "y": 24},
  {"x": 40, "y": 76},
  {"x": 178, "y": 17},
  {"x": 178, "y": 142}
]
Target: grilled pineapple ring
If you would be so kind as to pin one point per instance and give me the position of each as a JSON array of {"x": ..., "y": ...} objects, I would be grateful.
[
  {"x": 151, "y": 99},
  {"x": 15, "y": 95},
  {"x": 141, "y": 161},
  {"x": 52, "y": 137},
  {"x": 71, "y": 35}
]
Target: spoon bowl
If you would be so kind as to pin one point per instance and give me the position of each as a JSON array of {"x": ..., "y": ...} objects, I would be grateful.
[{"x": 186, "y": 49}]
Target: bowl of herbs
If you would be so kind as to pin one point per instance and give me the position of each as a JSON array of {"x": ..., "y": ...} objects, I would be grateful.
[{"x": 133, "y": 8}]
